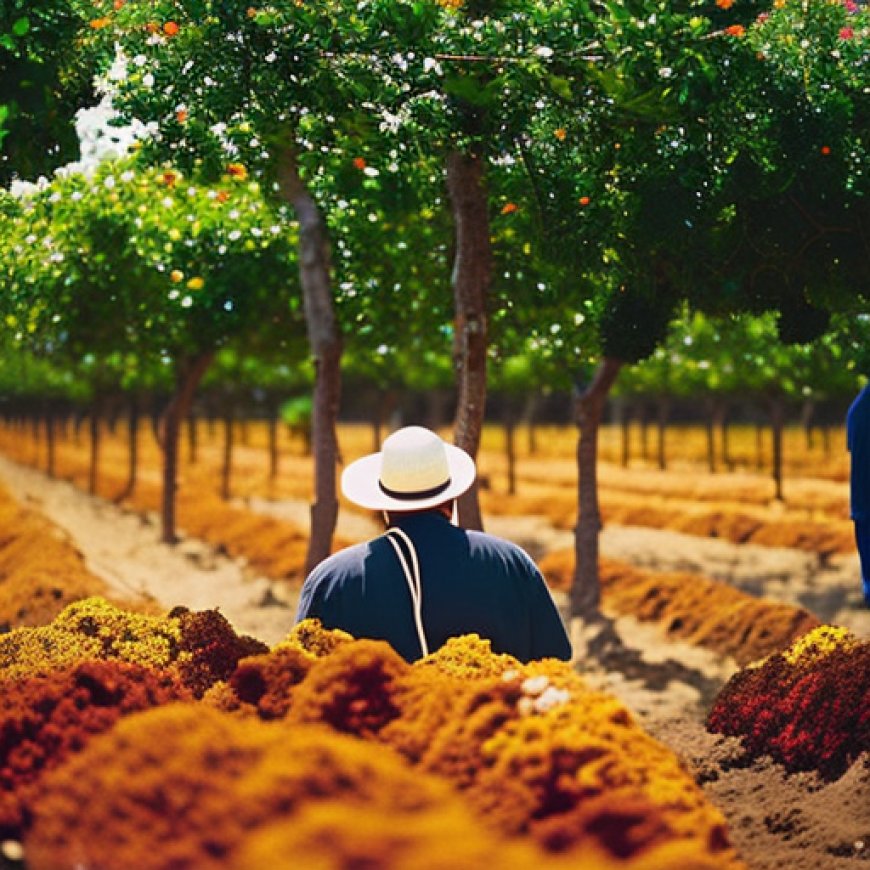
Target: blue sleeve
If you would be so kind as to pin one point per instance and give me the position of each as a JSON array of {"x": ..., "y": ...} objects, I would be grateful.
[
  {"x": 549, "y": 638},
  {"x": 314, "y": 602}
]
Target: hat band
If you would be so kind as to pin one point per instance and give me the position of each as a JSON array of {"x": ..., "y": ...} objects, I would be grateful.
[{"x": 413, "y": 496}]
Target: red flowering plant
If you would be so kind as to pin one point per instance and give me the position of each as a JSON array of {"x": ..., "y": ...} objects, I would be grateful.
[
  {"x": 808, "y": 707},
  {"x": 45, "y": 718}
]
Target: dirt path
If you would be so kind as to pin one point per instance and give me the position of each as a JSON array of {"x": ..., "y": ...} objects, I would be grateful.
[{"x": 124, "y": 549}]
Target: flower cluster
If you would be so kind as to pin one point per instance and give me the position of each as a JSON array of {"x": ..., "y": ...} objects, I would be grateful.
[
  {"x": 203, "y": 789},
  {"x": 89, "y": 629},
  {"x": 528, "y": 745},
  {"x": 807, "y": 707},
  {"x": 200, "y": 646},
  {"x": 209, "y": 650},
  {"x": 45, "y": 718}
]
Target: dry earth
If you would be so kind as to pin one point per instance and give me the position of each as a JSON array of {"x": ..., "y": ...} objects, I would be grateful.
[{"x": 777, "y": 821}]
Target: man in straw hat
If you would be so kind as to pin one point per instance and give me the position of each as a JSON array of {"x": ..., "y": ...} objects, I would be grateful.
[{"x": 427, "y": 580}]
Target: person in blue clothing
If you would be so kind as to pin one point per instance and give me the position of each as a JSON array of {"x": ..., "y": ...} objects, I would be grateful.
[
  {"x": 858, "y": 442},
  {"x": 427, "y": 580}
]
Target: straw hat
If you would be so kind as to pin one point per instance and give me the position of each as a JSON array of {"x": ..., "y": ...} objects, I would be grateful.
[{"x": 414, "y": 471}]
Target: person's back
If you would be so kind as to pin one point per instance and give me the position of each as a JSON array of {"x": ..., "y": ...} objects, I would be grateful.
[
  {"x": 858, "y": 439},
  {"x": 858, "y": 442},
  {"x": 470, "y": 582}
]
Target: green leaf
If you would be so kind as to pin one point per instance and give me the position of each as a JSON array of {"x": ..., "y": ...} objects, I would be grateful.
[
  {"x": 561, "y": 86},
  {"x": 21, "y": 26}
]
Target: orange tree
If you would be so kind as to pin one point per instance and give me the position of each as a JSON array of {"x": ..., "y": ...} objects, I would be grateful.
[
  {"x": 147, "y": 263},
  {"x": 640, "y": 189},
  {"x": 256, "y": 91},
  {"x": 463, "y": 87}
]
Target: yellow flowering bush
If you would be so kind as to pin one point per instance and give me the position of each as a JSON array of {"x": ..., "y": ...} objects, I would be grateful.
[
  {"x": 309, "y": 635},
  {"x": 201, "y": 646},
  {"x": 531, "y": 747},
  {"x": 818, "y": 643},
  {"x": 89, "y": 629}
]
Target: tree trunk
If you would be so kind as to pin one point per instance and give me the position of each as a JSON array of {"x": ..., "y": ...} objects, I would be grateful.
[
  {"x": 132, "y": 449},
  {"x": 437, "y": 407},
  {"x": 157, "y": 415},
  {"x": 724, "y": 431},
  {"x": 588, "y": 408},
  {"x": 189, "y": 376},
  {"x": 50, "y": 440},
  {"x": 326, "y": 348},
  {"x": 93, "y": 465},
  {"x": 663, "y": 413},
  {"x": 510, "y": 426},
  {"x": 530, "y": 418},
  {"x": 227, "y": 465},
  {"x": 274, "y": 413},
  {"x": 385, "y": 404},
  {"x": 192, "y": 438},
  {"x": 807, "y": 415},
  {"x": 759, "y": 446},
  {"x": 710, "y": 428},
  {"x": 644, "y": 432},
  {"x": 777, "y": 416},
  {"x": 472, "y": 269},
  {"x": 625, "y": 429}
]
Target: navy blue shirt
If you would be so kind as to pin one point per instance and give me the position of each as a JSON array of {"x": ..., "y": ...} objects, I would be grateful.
[
  {"x": 472, "y": 583},
  {"x": 858, "y": 441}
]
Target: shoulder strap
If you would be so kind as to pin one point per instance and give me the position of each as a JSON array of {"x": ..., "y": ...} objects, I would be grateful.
[{"x": 412, "y": 577}]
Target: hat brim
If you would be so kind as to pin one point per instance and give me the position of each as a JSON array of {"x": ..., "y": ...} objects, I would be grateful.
[{"x": 360, "y": 483}]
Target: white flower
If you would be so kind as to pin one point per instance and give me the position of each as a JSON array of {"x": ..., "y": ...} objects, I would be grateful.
[
  {"x": 140, "y": 60},
  {"x": 430, "y": 64},
  {"x": 148, "y": 80},
  {"x": 535, "y": 685},
  {"x": 76, "y": 195},
  {"x": 544, "y": 51},
  {"x": 118, "y": 70},
  {"x": 552, "y": 697},
  {"x": 127, "y": 175},
  {"x": 371, "y": 172},
  {"x": 167, "y": 202},
  {"x": 271, "y": 57},
  {"x": 234, "y": 235},
  {"x": 109, "y": 182}
]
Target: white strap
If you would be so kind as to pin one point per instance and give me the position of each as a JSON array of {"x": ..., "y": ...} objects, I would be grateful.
[{"x": 412, "y": 577}]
